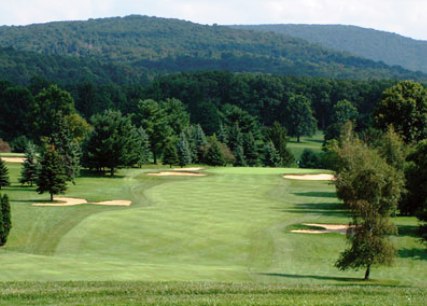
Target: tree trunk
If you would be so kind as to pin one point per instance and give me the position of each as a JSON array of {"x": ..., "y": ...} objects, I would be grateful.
[
  {"x": 368, "y": 271},
  {"x": 51, "y": 197},
  {"x": 112, "y": 171},
  {"x": 298, "y": 138},
  {"x": 154, "y": 158}
]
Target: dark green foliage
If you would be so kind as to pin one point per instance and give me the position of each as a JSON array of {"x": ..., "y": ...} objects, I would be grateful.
[
  {"x": 239, "y": 154},
  {"x": 250, "y": 149},
  {"x": 271, "y": 157},
  {"x": 48, "y": 103},
  {"x": 342, "y": 112},
  {"x": 143, "y": 151},
  {"x": 170, "y": 154},
  {"x": 196, "y": 140},
  {"x": 277, "y": 135},
  {"x": 19, "y": 144},
  {"x": 183, "y": 151},
  {"x": 214, "y": 154},
  {"x": 5, "y": 219},
  {"x": 300, "y": 121},
  {"x": 112, "y": 143},
  {"x": 405, "y": 107},
  {"x": 310, "y": 160},
  {"x": 4, "y": 174},
  {"x": 30, "y": 167},
  {"x": 392, "y": 49},
  {"x": 370, "y": 189},
  {"x": 52, "y": 177},
  {"x": 416, "y": 180}
]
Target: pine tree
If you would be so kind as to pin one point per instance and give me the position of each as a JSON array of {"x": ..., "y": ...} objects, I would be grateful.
[
  {"x": 277, "y": 134},
  {"x": 271, "y": 155},
  {"x": 250, "y": 149},
  {"x": 170, "y": 155},
  {"x": 4, "y": 174},
  {"x": 222, "y": 134},
  {"x": 183, "y": 150},
  {"x": 214, "y": 155},
  {"x": 144, "y": 153},
  {"x": 52, "y": 177},
  {"x": 29, "y": 169},
  {"x": 240, "y": 157},
  {"x": 5, "y": 219}
]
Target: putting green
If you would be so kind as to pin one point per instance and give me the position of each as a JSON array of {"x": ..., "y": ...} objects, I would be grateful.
[{"x": 232, "y": 225}]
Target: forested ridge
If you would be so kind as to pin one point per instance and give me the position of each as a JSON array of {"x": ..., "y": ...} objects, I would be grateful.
[
  {"x": 390, "y": 48},
  {"x": 135, "y": 48}
]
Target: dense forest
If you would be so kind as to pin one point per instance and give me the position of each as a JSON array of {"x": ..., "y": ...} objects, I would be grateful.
[
  {"x": 390, "y": 48},
  {"x": 137, "y": 48}
]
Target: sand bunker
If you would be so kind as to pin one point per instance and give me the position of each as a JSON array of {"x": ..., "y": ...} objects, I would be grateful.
[
  {"x": 176, "y": 173},
  {"x": 63, "y": 201},
  {"x": 18, "y": 160},
  {"x": 310, "y": 177},
  {"x": 187, "y": 169},
  {"x": 114, "y": 203},
  {"x": 328, "y": 228}
]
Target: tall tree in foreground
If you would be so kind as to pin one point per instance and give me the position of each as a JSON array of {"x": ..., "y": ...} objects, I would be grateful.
[
  {"x": 300, "y": 121},
  {"x": 370, "y": 188},
  {"x": 4, "y": 174},
  {"x": 183, "y": 150},
  {"x": 5, "y": 219},
  {"x": 29, "y": 168},
  {"x": 52, "y": 177},
  {"x": 277, "y": 134},
  {"x": 170, "y": 155}
]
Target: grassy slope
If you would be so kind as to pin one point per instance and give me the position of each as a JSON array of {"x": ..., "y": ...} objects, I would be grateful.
[
  {"x": 313, "y": 143},
  {"x": 232, "y": 226}
]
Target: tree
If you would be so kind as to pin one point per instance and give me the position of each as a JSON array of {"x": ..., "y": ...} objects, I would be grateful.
[
  {"x": 240, "y": 160},
  {"x": 250, "y": 149},
  {"x": 144, "y": 153},
  {"x": 414, "y": 202},
  {"x": 271, "y": 156},
  {"x": 214, "y": 155},
  {"x": 342, "y": 112},
  {"x": 277, "y": 134},
  {"x": 310, "y": 160},
  {"x": 405, "y": 107},
  {"x": 183, "y": 150},
  {"x": 370, "y": 188},
  {"x": 170, "y": 155},
  {"x": 300, "y": 121},
  {"x": 5, "y": 219},
  {"x": 112, "y": 143},
  {"x": 52, "y": 177},
  {"x": 4, "y": 174},
  {"x": 29, "y": 168}
]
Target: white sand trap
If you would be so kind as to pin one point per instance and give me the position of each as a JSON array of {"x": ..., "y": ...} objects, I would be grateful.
[
  {"x": 310, "y": 177},
  {"x": 18, "y": 160},
  {"x": 175, "y": 173},
  {"x": 328, "y": 228},
  {"x": 114, "y": 203},
  {"x": 63, "y": 201},
  {"x": 187, "y": 169}
]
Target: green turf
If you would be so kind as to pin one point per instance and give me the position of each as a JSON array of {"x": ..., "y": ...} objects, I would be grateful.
[
  {"x": 231, "y": 226},
  {"x": 313, "y": 143}
]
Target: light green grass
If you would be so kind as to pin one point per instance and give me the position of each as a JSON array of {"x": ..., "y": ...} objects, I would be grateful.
[
  {"x": 231, "y": 226},
  {"x": 313, "y": 143}
]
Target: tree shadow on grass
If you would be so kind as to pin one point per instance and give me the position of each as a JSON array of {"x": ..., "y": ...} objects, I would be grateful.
[
  {"x": 329, "y": 209},
  {"x": 414, "y": 253},
  {"x": 408, "y": 230},
  {"x": 319, "y": 277},
  {"x": 316, "y": 194},
  {"x": 95, "y": 174},
  {"x": 19, "y": 188}
]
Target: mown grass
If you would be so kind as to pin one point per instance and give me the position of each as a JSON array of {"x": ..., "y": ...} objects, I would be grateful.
[
  {"x": 217, "y": 240},
  {"x": 313, "y": 143}
]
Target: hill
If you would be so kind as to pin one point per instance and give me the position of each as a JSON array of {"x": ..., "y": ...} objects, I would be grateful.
[
  {"x": 140, "y": 44},
  {"x": 390, "y": 48}
]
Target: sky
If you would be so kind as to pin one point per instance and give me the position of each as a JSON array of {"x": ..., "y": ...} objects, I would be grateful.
[{"x": 405, "y": 17}]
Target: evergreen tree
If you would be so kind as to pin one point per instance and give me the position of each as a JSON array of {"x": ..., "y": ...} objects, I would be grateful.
[
  {"x": 310, "y": 160},
  {"x": 144, "y": 153},
  {"x": 240, "y": 160},
  {"x": 271, "y": 156},
  {"x": 214, "y": 155},
  {"x": 5, "y": 219},
  {"x": 4, "y": 174},
  {"x": 222, "y": 134},
  {"x": 277, "y": 134},
  {"x": 250, "y": 149},
  {"x": 183, "y": 151},
  {"x": 170, "y": 155},
  {"x": 29, "y": 168},
  {"x": 52, "y": 177},
  {"x": 235, "y": 137}
]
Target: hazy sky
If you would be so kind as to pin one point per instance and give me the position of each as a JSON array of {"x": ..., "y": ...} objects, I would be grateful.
[{"x": 406, "y": 17}]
